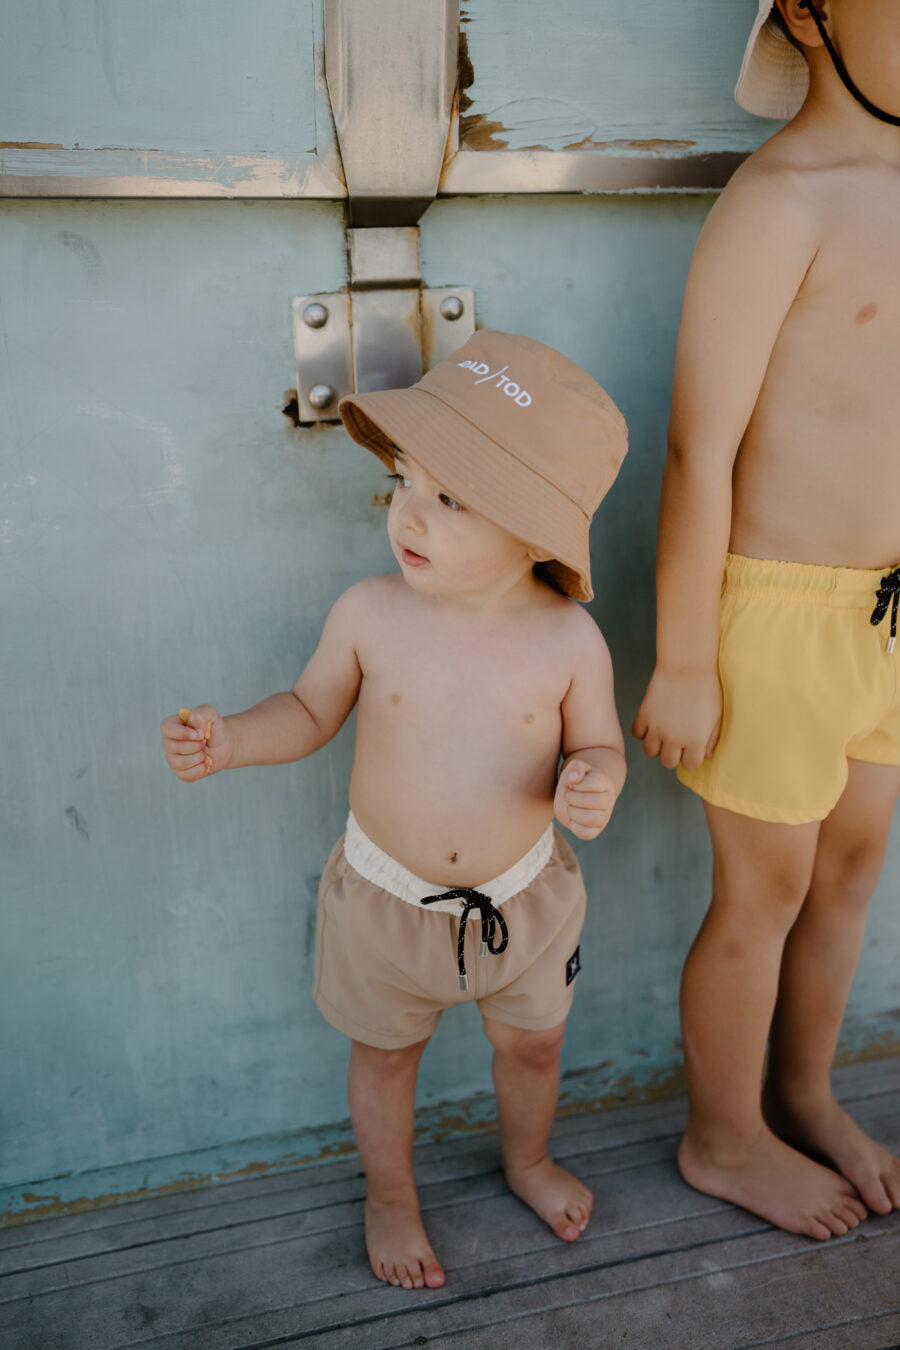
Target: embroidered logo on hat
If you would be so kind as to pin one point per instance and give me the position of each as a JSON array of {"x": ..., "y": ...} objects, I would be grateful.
[{"x": 510, "y": 388}]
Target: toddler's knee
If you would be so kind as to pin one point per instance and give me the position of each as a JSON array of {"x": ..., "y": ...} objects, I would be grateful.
[{"x": 533, "y": 1050}]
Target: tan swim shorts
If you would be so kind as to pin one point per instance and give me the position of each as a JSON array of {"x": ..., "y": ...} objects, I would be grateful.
[
  {"x": 387, "y": 966},
  {"x": 808, "y": 683}
]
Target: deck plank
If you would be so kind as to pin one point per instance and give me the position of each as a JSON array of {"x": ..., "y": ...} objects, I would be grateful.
[{"x": 279, "y": 1260}]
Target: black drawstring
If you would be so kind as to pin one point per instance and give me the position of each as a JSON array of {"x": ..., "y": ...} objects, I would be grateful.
[
  {"x": 491, "y": 919},
  {"x": 888, "y": 593}
]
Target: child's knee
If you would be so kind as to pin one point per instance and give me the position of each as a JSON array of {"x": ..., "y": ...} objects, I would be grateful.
[
  {"x": 375, "y": 1059},
  {"x": 530, "y": 1049}
]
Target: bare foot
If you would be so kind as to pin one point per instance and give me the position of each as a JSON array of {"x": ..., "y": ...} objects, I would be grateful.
[
  {"x": 399, "y": 1251},
  {"x": 826, "y": 1128},
  {"x": 775, "y": 1181},
  {"x": 555, "y": 1196}
]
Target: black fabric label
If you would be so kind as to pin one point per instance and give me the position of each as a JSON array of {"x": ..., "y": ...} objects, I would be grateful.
[{"x": 573, "y": 965}]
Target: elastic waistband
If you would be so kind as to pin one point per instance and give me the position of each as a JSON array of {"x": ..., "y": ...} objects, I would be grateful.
[
  {"x": 371, "y": 862},
  {"x": 808, "y": 583}
]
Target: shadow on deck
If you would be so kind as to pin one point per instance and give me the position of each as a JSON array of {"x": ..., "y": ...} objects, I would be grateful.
[{"x": 279, "y": 1262}]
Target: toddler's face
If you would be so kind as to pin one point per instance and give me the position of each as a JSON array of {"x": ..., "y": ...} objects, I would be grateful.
[{"x": 443, "y": 547}]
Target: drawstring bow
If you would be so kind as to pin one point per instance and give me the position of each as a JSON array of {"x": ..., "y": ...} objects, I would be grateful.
[
  {"x": 491, "y": 920},
  {"x": 888, "y": 593}
]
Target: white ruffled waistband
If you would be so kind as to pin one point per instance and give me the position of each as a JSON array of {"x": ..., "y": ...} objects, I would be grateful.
[{"x": 371, "y": 862}]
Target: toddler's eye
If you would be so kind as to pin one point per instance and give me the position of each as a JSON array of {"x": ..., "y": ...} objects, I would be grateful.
[
  {"x": 450, "y": 501},
  {"x": 399, "y": 479}
]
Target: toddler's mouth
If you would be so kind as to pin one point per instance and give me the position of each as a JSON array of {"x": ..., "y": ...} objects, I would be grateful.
[{"x": 413, "y": 559}]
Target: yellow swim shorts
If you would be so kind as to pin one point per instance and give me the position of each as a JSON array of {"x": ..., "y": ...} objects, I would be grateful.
[{"x": 807, "y": 684}]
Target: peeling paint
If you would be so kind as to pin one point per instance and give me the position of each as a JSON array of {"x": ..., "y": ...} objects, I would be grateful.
[
  {"x": 466, "y": 71},
  {"x": 657, "y": 144},
  {"x": 479, "y": 133},
  {"x": 31, "y": 145}
]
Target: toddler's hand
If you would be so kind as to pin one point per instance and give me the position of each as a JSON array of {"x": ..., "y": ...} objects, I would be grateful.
[
  {"x": 199, "y": 747},
  {"x": 585, "y": 797}
]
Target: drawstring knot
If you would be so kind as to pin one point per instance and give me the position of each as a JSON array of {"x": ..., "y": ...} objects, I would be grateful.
[
  {"x": 491, "y": 920},
  {"x": 888, "y": 593}
]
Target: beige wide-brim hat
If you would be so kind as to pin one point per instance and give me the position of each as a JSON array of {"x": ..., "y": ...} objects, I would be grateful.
[
  {"x": 511, "y": 429},
  {"x": 774, "y": 76}
]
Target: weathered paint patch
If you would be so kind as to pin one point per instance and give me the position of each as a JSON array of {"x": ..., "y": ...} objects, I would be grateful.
[
  {"x": 480, "y": 133},
  {"x": 583, "y": 1092}
]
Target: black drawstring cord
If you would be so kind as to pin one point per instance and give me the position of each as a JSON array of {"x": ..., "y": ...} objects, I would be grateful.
[
  {"x": 888, "y": 593},
  {"x": 491, "y": 919}
]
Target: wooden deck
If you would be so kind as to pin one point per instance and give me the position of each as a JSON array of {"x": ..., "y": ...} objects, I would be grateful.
[{"x": 279, "y": 1261}]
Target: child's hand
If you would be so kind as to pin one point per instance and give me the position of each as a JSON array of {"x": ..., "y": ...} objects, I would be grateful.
[
  {"x": 680, "y": 717},
  {"x": 199, "y": 747},
  {"x": 585, "y": 797}
]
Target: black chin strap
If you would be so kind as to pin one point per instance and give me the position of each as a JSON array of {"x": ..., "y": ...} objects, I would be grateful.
[{"x": 842, "y": 70}]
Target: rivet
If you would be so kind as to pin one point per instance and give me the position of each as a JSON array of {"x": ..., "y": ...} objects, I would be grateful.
[
  {"x": 315, "y": 315},
  {"x": 321, "y": 396},
  {"x": 452, "y": 307}
]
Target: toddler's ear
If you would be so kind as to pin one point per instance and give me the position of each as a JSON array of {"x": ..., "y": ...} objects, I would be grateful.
[{"x": 539, "y": 554}]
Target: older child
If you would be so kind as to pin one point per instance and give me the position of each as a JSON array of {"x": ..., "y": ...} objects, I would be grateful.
[
  {"x": 776, "y": 693},
  {"x": 471, "y": 675}
]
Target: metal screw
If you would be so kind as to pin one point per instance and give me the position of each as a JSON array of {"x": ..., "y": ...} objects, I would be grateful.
[
  {"x": 321, "y": 396},
  {"x": 452, "y": 307},
  {"x": 315, "y": 315}
]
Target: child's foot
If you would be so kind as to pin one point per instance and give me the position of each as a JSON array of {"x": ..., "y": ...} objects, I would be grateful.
[
  {"x": 399, "y": 1251},
  {"x": 774, "y": 1181},
  {"x": 555, "y": 1196},
  {"x": 825, "y": 1128}
]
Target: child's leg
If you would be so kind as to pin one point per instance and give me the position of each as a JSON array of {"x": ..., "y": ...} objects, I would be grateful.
[
  {"x": 816, "y": 973},
  {"x": 761, "y": 875},
  {"x": 382, "y": 1090},
  {"x": 526, "y": 1080}
]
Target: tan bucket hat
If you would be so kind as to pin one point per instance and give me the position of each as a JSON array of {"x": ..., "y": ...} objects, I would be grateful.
[
  {"x": 774, "y": 76},
  {"x": 514, "y": 430}
]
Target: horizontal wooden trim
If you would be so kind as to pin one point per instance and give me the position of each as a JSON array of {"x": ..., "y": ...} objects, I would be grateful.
[{"x": 29, "y": 170}]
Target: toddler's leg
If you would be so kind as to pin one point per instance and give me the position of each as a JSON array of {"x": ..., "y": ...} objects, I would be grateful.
[
  {"x": 382, "y": 1090},
  {"x": 816, "y": 973},
  {"x": 526, "y": 1080},
  {"x": 761, "y": 874}
]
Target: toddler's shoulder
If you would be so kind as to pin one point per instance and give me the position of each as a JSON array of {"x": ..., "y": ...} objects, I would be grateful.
[
  {"x": 366, "y": 602},
  {"x": 573, "y": 629}
]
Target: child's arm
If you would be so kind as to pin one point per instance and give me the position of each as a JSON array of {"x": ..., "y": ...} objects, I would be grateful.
[
  {"x": 285, "y": 726},
  {"x": 753, "y": 255},
  {"x": 593, "y": 770}
]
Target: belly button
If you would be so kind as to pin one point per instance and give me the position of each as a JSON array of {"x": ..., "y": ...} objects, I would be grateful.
[
  {"x": 867, "y": 313},
  {"x": 454, "y": 857}
]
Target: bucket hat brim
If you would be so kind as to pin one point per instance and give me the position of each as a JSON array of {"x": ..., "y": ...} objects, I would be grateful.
[{"x": 774, "y": 77}]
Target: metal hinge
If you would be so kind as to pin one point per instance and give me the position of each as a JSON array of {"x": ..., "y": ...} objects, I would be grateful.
[
  {"x": 383, "y": 332},
  {"x": 391, "y": 71}
]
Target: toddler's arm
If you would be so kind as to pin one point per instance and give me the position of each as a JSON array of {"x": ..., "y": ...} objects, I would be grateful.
[
  {"x": 749, "y": 264},
  {"x": 593, "y": 770},
  {"x": 284, "y": 727}
]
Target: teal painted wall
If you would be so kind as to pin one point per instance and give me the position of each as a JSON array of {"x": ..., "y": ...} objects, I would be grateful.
[{"x": 166, "y": 536}]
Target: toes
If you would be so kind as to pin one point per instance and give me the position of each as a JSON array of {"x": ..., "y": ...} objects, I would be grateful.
[
  {"x": 814, "y": 1228},
  {"x": 567, "y": 1230},
  {"x": 434, "y": 1276}
]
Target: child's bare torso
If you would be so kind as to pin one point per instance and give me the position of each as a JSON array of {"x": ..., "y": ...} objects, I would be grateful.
[
  {"x": 459, "y": 728},
  {"x": 817, "y": 478}
]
